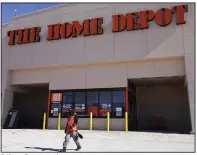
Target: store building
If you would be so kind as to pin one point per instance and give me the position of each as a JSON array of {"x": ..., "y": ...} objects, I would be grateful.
[{"x": 117, "y": 58}]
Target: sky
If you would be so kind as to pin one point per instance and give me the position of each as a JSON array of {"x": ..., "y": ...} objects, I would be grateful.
[{"x": 22, "y": 8}]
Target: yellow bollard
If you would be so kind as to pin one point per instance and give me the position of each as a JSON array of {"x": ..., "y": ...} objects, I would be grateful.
[
  {"x": 91, "y": 121},
  {"x": 44, "y": 121},
  {"x": 108, "y": 121},
  {"x": 59, "y": 121},
  {"x": 126, "y": 121}
]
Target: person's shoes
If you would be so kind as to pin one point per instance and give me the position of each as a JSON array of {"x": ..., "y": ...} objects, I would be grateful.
[
  {"x": 78, "y": 148},
  {"x": 63, "y": 150}
]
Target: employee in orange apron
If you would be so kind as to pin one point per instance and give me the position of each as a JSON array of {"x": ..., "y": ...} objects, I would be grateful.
[{"x": 71, "y": 131}]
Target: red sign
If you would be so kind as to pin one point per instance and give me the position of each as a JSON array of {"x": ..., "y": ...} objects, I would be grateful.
[
  {"x": 130, "y": 21},
  {"x": 56, "y": 97}
]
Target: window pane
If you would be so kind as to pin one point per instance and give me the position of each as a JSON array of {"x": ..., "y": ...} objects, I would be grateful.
[
  {"x": 80, "y": 97},
  {"x": 118, "y": 109},
  {"x": 65, "y": 109},
  {"x": 92, "y": 103},
  {"x": 68, "y": 102},
  {"x": 104, "y": 108},
  {"x": 105, "y": 96},
  {"x": 55, "y": 109},
  {"x": 68, "y": 97},
  {"x": 80, "y": 109},
  {"x": 118, "y": 96},
  {"x": 92, "y": 97},
  {"x": 93, "y": 109},
  {"x": 80, "y": 102}
]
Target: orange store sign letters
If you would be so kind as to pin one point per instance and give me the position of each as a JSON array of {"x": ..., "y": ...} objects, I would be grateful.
[{"x": 120, "y": 22}]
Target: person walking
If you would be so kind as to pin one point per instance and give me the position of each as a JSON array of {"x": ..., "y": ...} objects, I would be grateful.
[{"x": 71, "y": 131}]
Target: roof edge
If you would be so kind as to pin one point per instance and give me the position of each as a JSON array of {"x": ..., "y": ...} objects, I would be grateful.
[
  {"x": 39, "y": 11},
  {"x": 4, "y": 25}
]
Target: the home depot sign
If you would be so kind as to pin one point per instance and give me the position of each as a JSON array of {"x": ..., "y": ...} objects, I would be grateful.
[{"x": 130, "y": 21}]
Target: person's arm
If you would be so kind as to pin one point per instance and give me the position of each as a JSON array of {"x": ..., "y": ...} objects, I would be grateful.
[{"x": 76, "y": 120}]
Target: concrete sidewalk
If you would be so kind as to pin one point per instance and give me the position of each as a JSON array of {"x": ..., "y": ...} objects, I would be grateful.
[{"x": 96, "y": 141}]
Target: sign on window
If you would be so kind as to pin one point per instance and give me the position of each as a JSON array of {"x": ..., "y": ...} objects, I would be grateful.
[
  {"x": 56, "y": 97},
  {"x": 118, "y": 111},
  {"x": 105, "y": 106}
]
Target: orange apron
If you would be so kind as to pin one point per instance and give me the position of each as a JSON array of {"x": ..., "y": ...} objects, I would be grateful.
[{"x": 70, "y": 124}]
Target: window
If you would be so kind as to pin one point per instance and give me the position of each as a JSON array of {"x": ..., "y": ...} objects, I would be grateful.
[
  {"x": 118, "y": 96},
  {"x": 67, "y": 103},
  {"x": 80, "y": 103},
  {"x": 66, "y": 107},
  {"x": 105, "y": 102},
  {"x": 97, "y": 101},
  {"x": 118, "y": 109},
  {"x": 92, "y": 103},
  {"x": 118, "y": 99},
  {"x": 68, "y": 97},
  {"x": 55, "y": 109}
]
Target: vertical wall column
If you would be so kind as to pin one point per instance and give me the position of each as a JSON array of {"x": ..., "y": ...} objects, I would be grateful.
[
  {"x": 7, "y": 103},
  {"x": 7, "y": 95},
  {"x": 190, "y": 74},
  {"x": 126, "y": 99},
  {"x": 191, "y": 95},
  {"x": 190, "y": 80},
  {"x": 48, "y": 108},
  {"x": 190, "y": 71},
  {"x": 188, "y": 30}
]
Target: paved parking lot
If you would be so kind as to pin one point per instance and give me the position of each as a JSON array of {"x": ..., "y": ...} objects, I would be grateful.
[{"x": 96, "y": 141}]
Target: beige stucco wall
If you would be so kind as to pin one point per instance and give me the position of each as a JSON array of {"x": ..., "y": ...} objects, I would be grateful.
[
  {"x": 80, "y": 52},
  {"x": 6, "y": 90},
  {"x": 101, "y": 76},
  {"x": 109, "y": 47},
  {"x": 101, "y": 48}
]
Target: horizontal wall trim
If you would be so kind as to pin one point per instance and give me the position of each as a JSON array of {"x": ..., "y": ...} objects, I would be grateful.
[{"x": 101, "y": 63}]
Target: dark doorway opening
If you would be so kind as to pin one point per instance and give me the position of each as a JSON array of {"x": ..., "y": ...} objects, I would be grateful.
[
  {"x": 31, "y": 103},
  {"x": 159, "y": 105}
]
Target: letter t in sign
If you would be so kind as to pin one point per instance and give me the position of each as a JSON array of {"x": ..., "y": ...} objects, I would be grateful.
[
  {"x": 27, "y": 35},
  {"x": 12, "y": 35},
  {"x": 180, "y": 13}
]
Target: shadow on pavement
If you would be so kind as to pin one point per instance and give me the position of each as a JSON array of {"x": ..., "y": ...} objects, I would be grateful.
[
  {"x": 46, "y": 149},
  {"x": 165, "y": 132}
]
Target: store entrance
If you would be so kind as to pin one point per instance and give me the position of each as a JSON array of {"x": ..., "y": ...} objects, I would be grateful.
[
  {"x": 132, "y": 110},
  {"x": 159, "y": 105},
  {"x": 31, "y": 105}
]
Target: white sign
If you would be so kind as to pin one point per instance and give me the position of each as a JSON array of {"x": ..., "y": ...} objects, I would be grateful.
[
  {"x": 79, "y": 106},
  {"x": 119, "y": 111},
  {"x": 67, "y": 106},
  {"x": 55, "y": 109}
]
